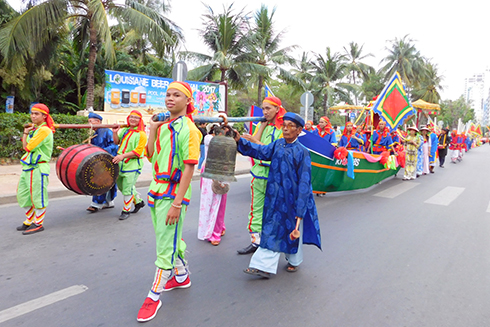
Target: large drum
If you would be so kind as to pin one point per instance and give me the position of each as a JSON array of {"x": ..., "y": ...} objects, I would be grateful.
[{"x": 86, "y": 169}]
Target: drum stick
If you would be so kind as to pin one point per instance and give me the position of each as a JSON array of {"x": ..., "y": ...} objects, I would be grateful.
[{"x": 295, "y": 234}]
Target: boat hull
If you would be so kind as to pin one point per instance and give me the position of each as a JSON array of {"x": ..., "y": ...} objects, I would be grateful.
[{"x": 331, "y": 175}]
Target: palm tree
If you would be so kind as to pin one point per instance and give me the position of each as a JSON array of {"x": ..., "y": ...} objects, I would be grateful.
[
  {"x": 430, "y": 85},
  {"x": 406, "y": 59},
  {"x": 355, "y": 66},
  {"x": 224, "y": 34},
  {"x": 329, "y": 71},
  {"x": 300, "y": 75},
  {"x": 263, "y": 47},
  {"x": 26, "y": 35}
]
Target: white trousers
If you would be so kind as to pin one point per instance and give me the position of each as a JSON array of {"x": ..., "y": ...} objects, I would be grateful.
[{"x": 267, "y": 260}]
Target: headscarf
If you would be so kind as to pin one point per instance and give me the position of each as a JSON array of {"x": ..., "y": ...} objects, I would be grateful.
[
  {"x": 42, "y": 108},
  {"x": 275, "y": 101},
  {"x": 187, "y": 90},
  {"x": 352, "y": 132},
  {"x": 327, "y": 128},
  {"x": 141, "y": 125}
]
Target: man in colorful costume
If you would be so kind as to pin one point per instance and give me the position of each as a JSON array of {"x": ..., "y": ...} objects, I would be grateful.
[
  {"x": 360, "y": 132},
  {"x": 173, "y": 149},
  {"x": 265, "y": 133},
  {"x": 131, "y": 141},
  {"x": 324, "y": 129},
  {"x": 434, "y": 144},
  {"x": 381, "y": 139},
  {"x": 289, "y": 201},
  {"x": 104, "y": 139},
  {"x": 32, "y": 191},
  {"x": 453, "y": 146},
  {"x": 350, "y": 139}
]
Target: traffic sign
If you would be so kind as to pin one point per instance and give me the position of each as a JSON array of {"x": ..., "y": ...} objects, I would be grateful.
[{"x": 307, "y": 100}]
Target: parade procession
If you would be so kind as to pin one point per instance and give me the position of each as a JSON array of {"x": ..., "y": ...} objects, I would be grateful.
[{"x": 142, "y": 183}]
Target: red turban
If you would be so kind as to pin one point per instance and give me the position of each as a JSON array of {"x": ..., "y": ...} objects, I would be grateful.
[
  {"x": 141, "y": 125},
  {"x": 42, "y": 108},
  {"x": 328, "y": 127},
  {"x": 275, "y": 101}
]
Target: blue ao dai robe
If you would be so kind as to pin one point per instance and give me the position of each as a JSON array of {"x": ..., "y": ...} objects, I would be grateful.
[{"x": 288, "y": 194}]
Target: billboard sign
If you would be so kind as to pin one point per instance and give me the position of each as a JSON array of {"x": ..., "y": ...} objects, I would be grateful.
[{"x": 125, "y": 92}]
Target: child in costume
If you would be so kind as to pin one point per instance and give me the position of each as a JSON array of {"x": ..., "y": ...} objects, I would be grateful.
[
  {"x": 32, "y": 191},
  {"x": 131, "y": 141},
  {"x": 173, "y": 149}
]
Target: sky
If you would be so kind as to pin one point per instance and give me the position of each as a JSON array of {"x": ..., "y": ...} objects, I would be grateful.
[{"x": 452, "y": 34}]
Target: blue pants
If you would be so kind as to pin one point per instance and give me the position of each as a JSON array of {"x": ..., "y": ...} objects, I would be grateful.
[{"x": 201, "y": 157}]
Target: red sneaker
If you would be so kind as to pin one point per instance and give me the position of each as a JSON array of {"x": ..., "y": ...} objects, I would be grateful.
[
  {"x": 173, "y": 284},
  {"x": 148, "y": 310}
]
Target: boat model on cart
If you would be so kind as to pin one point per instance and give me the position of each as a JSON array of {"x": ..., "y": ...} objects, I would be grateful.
[{"x": 329, "y": 174}]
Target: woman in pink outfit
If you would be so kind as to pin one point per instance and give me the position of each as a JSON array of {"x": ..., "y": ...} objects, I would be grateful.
[{"x": 213, "y": 202}]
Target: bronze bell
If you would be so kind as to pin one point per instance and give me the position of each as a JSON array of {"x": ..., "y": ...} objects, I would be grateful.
[{"x": 220, "y": 162}]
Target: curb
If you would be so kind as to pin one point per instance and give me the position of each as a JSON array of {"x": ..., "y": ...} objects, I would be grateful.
[{"x": 9, "y": 199}]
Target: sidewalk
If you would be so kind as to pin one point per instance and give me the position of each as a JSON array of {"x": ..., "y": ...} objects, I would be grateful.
[{"x": 10, "y": 174}]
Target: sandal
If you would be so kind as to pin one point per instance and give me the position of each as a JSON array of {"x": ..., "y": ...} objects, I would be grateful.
[
  {"x": 92, "y": 209},
  {"x": 223, "y": 232},
  {"x": 291, "y": 268},
  {"x": 256, "y": 272},
  {"x": 215, "y": 243}
]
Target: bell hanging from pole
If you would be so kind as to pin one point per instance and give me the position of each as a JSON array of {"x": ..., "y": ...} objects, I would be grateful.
[{"x": 221, "y": 159}]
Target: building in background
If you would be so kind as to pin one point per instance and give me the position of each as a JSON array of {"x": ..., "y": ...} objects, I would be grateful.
[{"x": 477, "y": 93}]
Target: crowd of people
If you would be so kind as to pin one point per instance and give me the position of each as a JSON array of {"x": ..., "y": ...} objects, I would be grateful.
[
  {"x": 282, "y": 214},
  {"x": 421, "y": 147}
]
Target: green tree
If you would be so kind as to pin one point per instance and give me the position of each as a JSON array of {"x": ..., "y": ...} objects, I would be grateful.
[
  {"x": 404, "y": 58},
  {"x": 224, "y": 34},
  {"x": 25, "y": 36},
  {"x": 329, "y": 72},
  {"x": 451, "y": 111},
  {"x": 429, "y": 86},
  {"x": 263, "y": 48},
  {"x": 356, "y": 68},
  {"x": 372, "y": 85}
]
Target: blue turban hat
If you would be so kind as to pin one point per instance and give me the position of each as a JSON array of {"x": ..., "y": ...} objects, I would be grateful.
[
  {"x": 294, "y": 118},
  {"x": 94, "y": 115}
]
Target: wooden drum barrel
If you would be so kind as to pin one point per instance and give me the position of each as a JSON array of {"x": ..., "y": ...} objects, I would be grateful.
[{"x": 86, "y": 169}]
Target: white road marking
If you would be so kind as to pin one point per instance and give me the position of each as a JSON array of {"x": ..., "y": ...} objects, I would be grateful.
[
  {"x": 41, "y": 302},
  {"x": 446, "y": 196},
  {"x": 396, "y": 190},
  {"x": 488, "y": 208}
]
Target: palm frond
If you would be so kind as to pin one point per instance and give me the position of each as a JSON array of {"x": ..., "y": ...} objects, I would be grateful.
[{"x": 27, "y": 34}]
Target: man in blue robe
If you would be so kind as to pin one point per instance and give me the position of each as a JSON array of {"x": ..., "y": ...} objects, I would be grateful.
[
  {"x": 103, "y": 139},
  {"x": 350, "y": 139},
  {"x": 381, "y": 139},
  {"x": 288, "y": 197}
]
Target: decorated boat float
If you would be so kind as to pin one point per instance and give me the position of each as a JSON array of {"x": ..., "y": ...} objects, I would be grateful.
[{"x": 358, "y": 170}]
